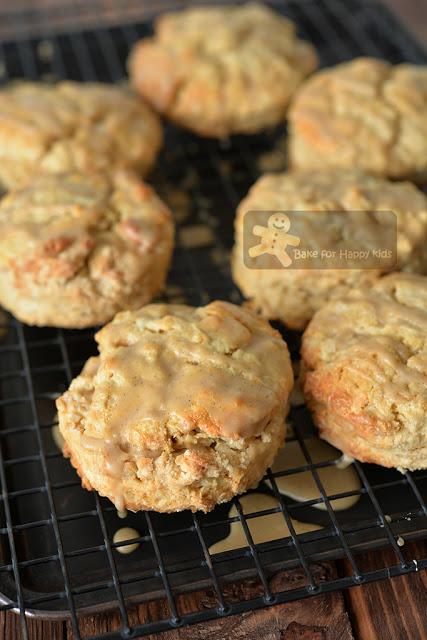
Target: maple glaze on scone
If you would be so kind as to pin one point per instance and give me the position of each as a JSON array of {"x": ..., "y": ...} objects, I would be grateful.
[
  {"x": 72, "y": 126},
  {"x": 366, "y": 113},
  {"x": 184, "y": 407},
  {"x": 221, "y": 70},
  {"x": 77, "y": 248},
  {"x": 365, "y": 372}
]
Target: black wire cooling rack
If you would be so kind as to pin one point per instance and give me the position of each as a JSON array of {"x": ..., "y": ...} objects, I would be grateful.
[{"x": 57, "y": 555}]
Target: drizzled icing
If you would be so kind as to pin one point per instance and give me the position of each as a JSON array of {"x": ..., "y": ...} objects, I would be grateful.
[
  {"x": 262, "y": 528},
  {"x": 302, "y": 486},
  {"x": 365, "y": 364},
  {"x": 388, "y": 344},
  {"x": 122, "y": 536},
  {"x": 217, "y": 370}
]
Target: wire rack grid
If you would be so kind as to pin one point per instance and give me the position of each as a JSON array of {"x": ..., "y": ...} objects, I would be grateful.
[{"x": 58, "y": 558}]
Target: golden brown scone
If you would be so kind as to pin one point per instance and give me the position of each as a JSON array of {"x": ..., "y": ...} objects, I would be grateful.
[
  {"x": 221, "y": 70},
  {"x": 365, "y": 372},
  {"x": 73, "y": 126},
  {"x": 293, "y": 295},
  {"x": 365, "y": 113},
  {"x": 184, "y": 407},
  {"x": 76, "y": 248}
]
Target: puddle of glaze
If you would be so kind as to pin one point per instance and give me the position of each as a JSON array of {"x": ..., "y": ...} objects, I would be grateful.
[
  {"x": 263, "y": 528},
  {"x": 196, "y": 236},
  {"x": 179, "y": 201},
  {"x": 123, "y": 534},
  {"x": 302, "y": 486},
  {"x": 344, "y": 461}
]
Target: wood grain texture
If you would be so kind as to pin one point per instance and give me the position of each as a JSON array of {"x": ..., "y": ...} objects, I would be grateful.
[
  {"x": 319, "y": 618},
  {"x": 413, "y": 13},
  {"x": 394, "y": 609},
  {"x": 10, "y": 628}
]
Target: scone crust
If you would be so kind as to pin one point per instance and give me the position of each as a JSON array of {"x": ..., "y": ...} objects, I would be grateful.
[
  {"x": 73, "y": 126},
  {"x": 221, "y": 70},
  {"x": 77, "y": 248},
  {"x": 293, "y": 296},
  {"x": 192, "y": 402},
  {"x": 365, "y": 372},
  {"x": 365, "y": 113}
]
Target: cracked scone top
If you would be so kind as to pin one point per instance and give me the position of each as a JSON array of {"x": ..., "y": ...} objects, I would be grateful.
[
  {"x": 184, "y": 407},
  {"x": 222, "y": 70},
  {"x": 73, "y": 126},
  {"x": 365, "y": 113},
  {"x": 365, "y": 372},
  {"x": 293, "y": 295},
  {"x": 76, "y": 248}
]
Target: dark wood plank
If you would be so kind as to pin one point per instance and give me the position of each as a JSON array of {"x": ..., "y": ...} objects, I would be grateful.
[
  {"x": 319, "y": 618},
  {"x": 10, "y": 628},
  {"x": 413, "y": 13},
  {"x": 393, "y": 609}
]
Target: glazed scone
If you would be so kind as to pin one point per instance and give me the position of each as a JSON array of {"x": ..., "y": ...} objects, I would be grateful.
[
  {"x": 72, "y": 126},
  {"x": 293, "y": 296},
  {"x": 221, "y": 70},
  {"x": 365, "y": 113},
  {"x": 365, "y": 372},
  {"x": 184, "y": 407},
  {"x": 76, "y": 248}
]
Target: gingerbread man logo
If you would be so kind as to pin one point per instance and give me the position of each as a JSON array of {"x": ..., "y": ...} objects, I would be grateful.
[{"x": 274, "y": 239}]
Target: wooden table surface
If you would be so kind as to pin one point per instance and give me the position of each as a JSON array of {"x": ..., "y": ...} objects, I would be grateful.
[{"x": 394, "y": 609}]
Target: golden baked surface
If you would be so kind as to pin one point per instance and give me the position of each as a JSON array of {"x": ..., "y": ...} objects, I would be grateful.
[
  {"x": 76, "y": 248},
  {"x": 294, "y": 295},
  {"x": 222, "y": 70},
  {"x": 184, "y": 407},
  {"x": 73, "y": 126},
  {"x": 365, "y": 372},
  {"x": 365, "y": 113}
]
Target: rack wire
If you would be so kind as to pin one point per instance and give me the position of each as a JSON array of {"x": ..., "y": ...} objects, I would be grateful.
[{"x": 57, "y": 554}]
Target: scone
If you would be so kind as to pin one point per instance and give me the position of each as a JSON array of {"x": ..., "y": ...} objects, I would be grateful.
[
  {"x": 365, "y": 113},
  {"x": 72, "y": 126},
  {"x": 365, "y": 372},
  {"x": 184, "y": 407},
  {"x": 76, "y": 248},
  {"x": 293, "y": 296},
  {"x": 221, "y": 70}
]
